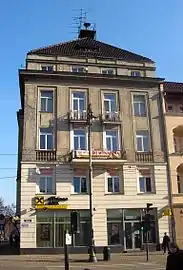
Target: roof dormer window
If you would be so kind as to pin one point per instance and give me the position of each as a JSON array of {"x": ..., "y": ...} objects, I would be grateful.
[
  {"x": 109, "y": 71},
  {"x": 47, "y": 68},
  {"x": 136, "y": 73},
  {"x": 79, "y": 69}
]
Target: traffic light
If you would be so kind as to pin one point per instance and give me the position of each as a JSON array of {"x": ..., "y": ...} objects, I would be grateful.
[
  {"x": 147, "y": 220},
  {"x": 75, "y": 222}
]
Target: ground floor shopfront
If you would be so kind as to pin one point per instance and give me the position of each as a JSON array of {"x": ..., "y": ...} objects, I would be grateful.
[
  {"x": 123, "y": 228},
  {"x": 178, "y": 223}
]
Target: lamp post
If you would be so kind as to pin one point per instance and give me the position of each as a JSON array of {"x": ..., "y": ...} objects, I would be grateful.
[{"x": 92, "y": 255}]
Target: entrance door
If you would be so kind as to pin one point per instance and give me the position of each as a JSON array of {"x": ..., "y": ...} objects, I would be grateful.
[{"x": 132, "y": 236}]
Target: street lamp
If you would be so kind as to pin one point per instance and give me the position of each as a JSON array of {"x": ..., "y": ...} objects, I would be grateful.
[{"x": 92, "y": 255}]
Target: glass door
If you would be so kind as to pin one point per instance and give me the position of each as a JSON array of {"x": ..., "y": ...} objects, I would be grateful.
[{"x": 132, "y": 235}]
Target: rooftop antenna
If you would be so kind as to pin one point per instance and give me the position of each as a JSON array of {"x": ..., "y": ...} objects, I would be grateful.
[{"x": 80, "y": 20}]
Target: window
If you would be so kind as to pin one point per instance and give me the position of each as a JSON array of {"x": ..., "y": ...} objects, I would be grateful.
[
  {"x": 46, "y": 101},
  {"x": 109, "y": 102},
  {"x": 46, "y": 139},
  {"x": 47, "y": 68},
  {"x": 78, "y": 101},
  {"x": 139, "y": 105},
  {"x": 79, "y": 69},
  {"x": 79, "y": 139},
  {"x": 45, "y": 184},
  {"x": 145, "y": 181},
  {"x": 113, "y": 184},
  {"x": 109, "y": 71},
  {"x": 112, "y": 143},
  {"x": 142, "y": 141},
  {"x": 80, "y": 184},
  {"x": 136, "y": 73}
]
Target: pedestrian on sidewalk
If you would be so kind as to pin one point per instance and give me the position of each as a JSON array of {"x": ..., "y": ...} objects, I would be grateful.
[
  {"x": 175, "y": 258},
  {"x": 166, "y": 242}
]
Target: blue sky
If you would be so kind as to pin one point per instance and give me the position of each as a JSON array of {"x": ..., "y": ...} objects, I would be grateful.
[{"x": 151, "y": 28}]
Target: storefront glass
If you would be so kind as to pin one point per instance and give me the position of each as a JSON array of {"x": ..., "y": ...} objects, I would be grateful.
[
  {"x": 51, "y": 227},
  {"x": 124, "y": 228}
]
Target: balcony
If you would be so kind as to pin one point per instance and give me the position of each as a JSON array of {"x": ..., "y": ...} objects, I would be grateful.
[
  {"x": 110, "y": 117},
  {"x": 144, "y": 157},
  {"x": 45, "y": 155},
  {"x": 99, "y": 157},
  {"x": 77, "y": 116}
]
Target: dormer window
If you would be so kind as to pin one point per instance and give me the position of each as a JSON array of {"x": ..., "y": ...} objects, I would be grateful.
[
  {"x": 109, "y": 71},
  {"x": 80, "y": 69},
  {"x": 47, "y": 68},
  {"x": 136, "y": 73}
]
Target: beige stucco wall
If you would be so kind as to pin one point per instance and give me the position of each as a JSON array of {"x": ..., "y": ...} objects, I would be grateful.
[
  {"x": 101, "y": 200},
  {"x": 59, "y": 119}
]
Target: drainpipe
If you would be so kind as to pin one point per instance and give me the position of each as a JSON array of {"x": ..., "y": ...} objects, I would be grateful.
[{"x": 170, "y": 201}]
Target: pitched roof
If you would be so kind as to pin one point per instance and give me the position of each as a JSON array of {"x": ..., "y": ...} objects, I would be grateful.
[
  {"x": 173, "y": 87},
  {"x": 87, "y": 47}
]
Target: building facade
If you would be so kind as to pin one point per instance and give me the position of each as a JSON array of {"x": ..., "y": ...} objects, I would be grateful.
[
  {"x": 128, "y": 153},
  {"x": 173, "y": 114}
]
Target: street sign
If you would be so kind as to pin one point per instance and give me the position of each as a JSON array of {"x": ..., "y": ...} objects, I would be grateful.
[{"x": 68, "y": 239}]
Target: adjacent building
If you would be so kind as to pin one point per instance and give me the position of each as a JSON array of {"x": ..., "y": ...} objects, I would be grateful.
[
  {"x": 173, "y": 114},
  {"x": 129, "y": 165}
]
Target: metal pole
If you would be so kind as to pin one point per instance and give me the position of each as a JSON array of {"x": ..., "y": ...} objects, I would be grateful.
[
  {"x": 170, "y": 200},
  {"x": 92, "y": 255},
  {"x": 147, "y": 245},
  {"x": 66, "y": 254}
]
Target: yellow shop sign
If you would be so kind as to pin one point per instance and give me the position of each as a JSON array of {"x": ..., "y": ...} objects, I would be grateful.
[{"x": 52, "y": 207}]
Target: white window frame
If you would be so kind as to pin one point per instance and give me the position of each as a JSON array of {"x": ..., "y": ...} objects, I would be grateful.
[
  {"x": 47, "y": 67},
  {"x": 141, "y": 136},
  {"x": 80, "y": 176},
  {"x": 107, "y": 71},
  {"x": 46, "y": 136},
  {"x": 105, "y": 138},
  {"x": 148, "y": 175},
  {"x": 109, "y": 100},
  {"x": 145, "y": 103},
  {"x": 47, "y": 98},
  {"x": 85, "y": 69},
  {"x": 46, "y": 186},
  {"x": 72, "y": 136},
  {"x": 135, "y": 72},
  {"x": 73, "y": 98},
  {"x": 112, "y": 176}
]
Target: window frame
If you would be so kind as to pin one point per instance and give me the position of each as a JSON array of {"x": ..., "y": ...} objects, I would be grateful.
[
  {"x": 80, "y": 177},
  {"x": 72, "y": 138},
  {"x": 109, "y": 100},
  {"x": 145, "y": 176},
  {"x": 133, "y": 72},
  {"x": 46, "y": 98},
  {"x": 105, "y": 139},
  {"x": 46, "y": 141},
  {"x": 105, "y": 71},
  {"x": 85, "y": 69},
  {"x": 73, "y": 98},
  {"x": 45, "y": 184},
  {"x": 47, "y": 66},
  {"x": 141, "y": 136},
  {"x": 140, "y": 114},
  {"x": 107, "y": 184}
]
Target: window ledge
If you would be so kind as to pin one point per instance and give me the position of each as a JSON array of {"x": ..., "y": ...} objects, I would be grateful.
[
  {"x": 75, "y": 194},
  {"x": 45, "y": 112},
  {"x": 45, "y": 194},
  {"x": 114, "y": 193},
  {"x": 146, "y": 193},
  {"x": 140, "y": 115},
  {"x": 177, "y": 195}
]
